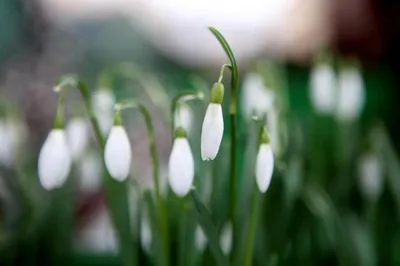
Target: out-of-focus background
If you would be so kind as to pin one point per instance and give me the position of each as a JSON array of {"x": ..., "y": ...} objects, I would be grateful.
[{"x": 330, "y": 170}]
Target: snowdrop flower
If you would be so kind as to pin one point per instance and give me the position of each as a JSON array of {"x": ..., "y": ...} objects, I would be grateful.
[
  {"x": 200, "y": 239},
  {"x": 264, "y": 162},
  {"x": 146, "y": 236},
  {"x": 99, "y": 235},
  {"x": 117, "y": 152},
  {"x": 103, "y": 104},
  {"x": 257, "y": 99},
  {"x": 12, "y": 134},
  {"x": 183, "y": 117},
  {"x": 54, "y": 160},
  {"x": 370, "y": 176},
  {"x": 77, "y": 135},
  {"x": 181, "y": 164},
  {"x": 225, "y": 239},
  {"x": 90, "y": 172},
  {"x": 351, "y": 98},
  {"x": 213, "y": 124},
  {"x": 273, "y": 126},
  {"x": 323, "y": 88}
]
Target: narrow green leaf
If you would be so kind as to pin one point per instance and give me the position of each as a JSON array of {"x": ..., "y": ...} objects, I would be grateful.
[{"x": 205, "y": 222}]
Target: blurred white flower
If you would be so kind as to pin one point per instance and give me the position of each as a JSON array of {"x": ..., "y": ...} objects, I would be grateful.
[
  {"x": 146, "y": 236},
  {"x": 118, "y": 154},
  {"x": 54, "y": 160},
  {"x": 351, "y": 95},
  {"x": 322, "y": 88},
  {"x": 212, "y": 131},
  {"x": 225, "y": 239},
  {"x": 181, "y": 167},
  {"x": 12, "y": 135},
  {"x": 264, "y": 166},
  {"x": 370, "y": 176},
  {"x": 183, "y": 117},
  {"x": 103, "y": 101},
  {"x": 98, "y": 235},
  {"x": 90, "y": 172},
  {"x": 257, "y": 99},
  {"x": 77, "y": 135},
  {"x": 274, "y": 131},
  {"x": 200, "y": 239}
]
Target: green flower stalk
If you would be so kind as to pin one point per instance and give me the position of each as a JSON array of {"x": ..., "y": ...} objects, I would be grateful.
[
  {"x": 155, "y": 164},
  {"x": 54, "y": 159},
  {"x": 233, "y": 126},
  {"x": 116, "y": 192}
]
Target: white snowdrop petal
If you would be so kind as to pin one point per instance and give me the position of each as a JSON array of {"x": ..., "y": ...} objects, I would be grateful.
[
  {"x": 181, "y": 167},
  {"x": 273, "y": 128},
  {"x": 146, "y": 235},
  {"x": 264, "y": 167},
  {"x": 98, "y": 235},
  {"x": 77, "y": 136},
  {"x": 323, "y": 88},
  {"x": 6, "y": 147},
  {"x": 54, "y": 160},
  {"x": 257, "y": 99},
  {"x": 90, "y": 172},
  {"x": 226, "y": 238},
  {"x": 370, "y": 176},
  {"x": 351, "y": 98},
  {"x": 200, "y": 239},
  {"x": 118, "y": 154},
  {"x": 103, "y": 104},
  {"x": 212, "y": 131},
  {"x": 183, "y": 117}
]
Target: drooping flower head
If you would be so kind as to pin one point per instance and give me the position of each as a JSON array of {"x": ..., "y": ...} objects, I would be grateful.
[
  {"x": 323, "y": 88},
  {"x": 213, "y": 124},
  {"x": 264, "y": 162},
  {"x": 54, "y": 160},
  {"x": 117, "y": 152},
  {"x": 181, "y": 164}
]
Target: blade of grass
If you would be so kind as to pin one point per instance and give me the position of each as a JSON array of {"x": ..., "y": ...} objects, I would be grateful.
[{"x": 205, "y": 222}]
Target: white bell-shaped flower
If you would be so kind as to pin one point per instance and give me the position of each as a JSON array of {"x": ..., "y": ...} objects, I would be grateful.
[
  {"x": 351, "y": 95},
  {"x": 225, "y": 239},
  {"x": 213, "y": 124},
  {"x": 370, "y": 176},
  {"x": 257, "y": 99},
  {"x": 90, "y": 172},
  {"x": 323, "y": 88},
  {"x": 12, "y": 135},
  {"x": 212, "y": 132},
  {"x": 103, "y": 101},
  {"x": 78, "y": 136},
  {"x": 274, "y": 132},
  {"x": 117, "y": 153},
  {"x": 264, "y": 162},
  {"x": 98, "y": 234},
  {"x": 54, "y": 160},
  {"x": 200, "y": 239},
  {"x": 146, "y": 236},
  {"x": 183, "y": 117},
  {"x": 181, "y": 164}
]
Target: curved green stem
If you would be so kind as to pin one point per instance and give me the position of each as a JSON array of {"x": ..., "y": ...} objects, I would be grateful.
[
  {"x": 233, "y": 67},
  {"x": 232, "y": 118},
  {"x": 180, "y": 98},
  {"x": 221, "y": 72},
  {"x": 155, "y": 163},
  {"x": 59, "y": 119},
  {"x": 251, "y": 231},
  {"x": 116, "y": 192}
]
